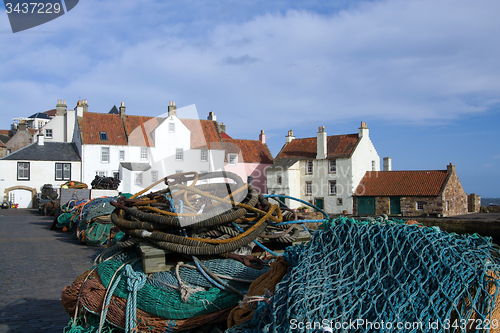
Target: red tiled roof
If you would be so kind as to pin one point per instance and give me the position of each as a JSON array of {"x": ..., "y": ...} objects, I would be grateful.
[
  {"x": 252, "y": 151},
  {"x": 32, "y": 131},
  {"x": 203, "y": 133},
  {"x": 223, "y": 135},
  {"x": 2, "y": 145},
  {"x": 402, "y": 183},
  {"x": 91, "y": 124},
  {"x": 139, "y": 129},
  {"x": 51, "y": 113},
  {"x": 4, "y": 132},
  {"x": 336, "y": 145}
]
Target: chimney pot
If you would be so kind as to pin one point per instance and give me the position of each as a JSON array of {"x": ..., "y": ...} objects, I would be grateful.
[{"x": 387, "y": 164}]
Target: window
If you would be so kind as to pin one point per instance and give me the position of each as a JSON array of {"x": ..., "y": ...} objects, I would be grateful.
[
  {"x": 309, "y": 168},
  {"x": 332, "y": 187},
  {"x": 179, "y": 171},
  {"x": 122, "y": 155},
  {"x": 332, "y": 166},
  {"x": 420, "y": 205},
  {"x": 101, "y": 173},
  {"x": 308, "y": 188},
  {"x": 179, "y": 154},
  {"x": 23, "y": 171},
  {"x": 279, "y": 180},
  {"x": 204, "y": 155},
  {"x": 116, "y": 175},
  {"x": 373, "y": 166},
  {"x": 48, "y": 133},
  {"x": 154, "y": 176},
  {"x": 104, "y": 136},
  {"x": 339, "y": 202},
  {"x": 104, "y": 154},
  {"x": 171, "y": 127},
  {"x": 144, "y": 153},
  {"x": 233, "y": 159},
  {"x": 9, "y": 151},
  {"x": 138, "y": 179},
  {"x": 63, "y": 171}
]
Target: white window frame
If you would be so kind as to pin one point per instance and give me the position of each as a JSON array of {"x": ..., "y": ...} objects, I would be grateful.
[
  {"x": 232, "y": 159},
  {"x": 308, "y": 189},
  {"x": 138, "y": 179},
  {"x": 373, "y": 166},
  {"x": 144, "y": 153},
  {"x": 105, "y": 154},
  {"x": 171, "y": 127},
  {"x": 309, "y": 168},
  {"x": 122, "y": 155},
  {"x": 332, "y": 187},
  {"x": 48, "y": 133},
  {"x": 420, "y": 205},
  {"x": 101, "y": 173},
  {"x": 154, "y": 176},
  {"x": 204, "y": 155},
  {"x": 63, "y": 168},
  {"x": 23, "y": 172},
  {"x": 332, "y": 166},
  {"x": 103, "y": 136},
  {"x": 178, "y": 171},
  {"x": 179, "y": 154}
]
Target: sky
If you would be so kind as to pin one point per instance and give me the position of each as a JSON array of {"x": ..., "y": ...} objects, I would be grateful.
[{"x": 424, "y": 75}]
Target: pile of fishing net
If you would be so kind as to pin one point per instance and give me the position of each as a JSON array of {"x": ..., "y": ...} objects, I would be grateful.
[
  {"x": 89, "y": 220},
  {"x": 379, "y": 275},
  {"x": 105, "y": 183},
  {"x": 209, "y": 225},
  {"x": 48, "y": 192}
]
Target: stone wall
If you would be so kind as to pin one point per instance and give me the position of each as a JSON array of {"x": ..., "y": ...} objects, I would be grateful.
[
  {"x": 382, "y": 205},
  {"x": 454, "y": 197},
  {"x": 432, "y": 206},
  {"x": 474, "y": 203}
]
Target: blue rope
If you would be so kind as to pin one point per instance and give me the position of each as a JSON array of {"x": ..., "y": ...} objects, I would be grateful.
[
  {"x": 256, "y": 241},
  {"x": 135, "y": 281}
]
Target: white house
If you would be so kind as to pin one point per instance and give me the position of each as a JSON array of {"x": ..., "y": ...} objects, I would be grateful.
[
  {"x": 323, "y": 170},
  {"x": 25, "y": 171}
]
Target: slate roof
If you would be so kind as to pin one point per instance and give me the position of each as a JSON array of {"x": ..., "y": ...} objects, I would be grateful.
[
  {"x": 136, "y": 166},
  {"x": 50, "y": 151},
  {"x": 337, "y": 146},
  {"x": 40, "y": 115},
  {"x": 252, "y": 151},
  {"x": 402, "y": 183},
  {"x": 91, "y": 124},
  {"x": 114, "y": 110},
  {"x": 204, "y": 134}
]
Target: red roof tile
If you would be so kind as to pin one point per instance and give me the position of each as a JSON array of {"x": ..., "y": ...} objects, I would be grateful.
[
  {"x": 91, "y": 124},
  {"x": 223, "y": 135},
  {"x": 139, "y": 129},
  {"x": 51, "y": 113},
  {"x": 402, "y": 183},
  {"x": 337, "y": 146},
  {"x": 4, "y": 132},
  {"x": 252, "y": 151},
  {"x": 203, "y": 133}
]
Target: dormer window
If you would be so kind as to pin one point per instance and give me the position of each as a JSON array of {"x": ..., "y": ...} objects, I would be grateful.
[{"x": 104, "y": 136}]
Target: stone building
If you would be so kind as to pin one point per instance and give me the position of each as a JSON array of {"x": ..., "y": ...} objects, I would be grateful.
[{"x": 411, "y": 193}]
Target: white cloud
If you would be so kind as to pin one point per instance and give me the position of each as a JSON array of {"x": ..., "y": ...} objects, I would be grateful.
[{"x": 400, "y": 60}]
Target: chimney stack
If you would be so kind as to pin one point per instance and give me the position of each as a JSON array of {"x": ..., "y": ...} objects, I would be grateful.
[
  {"x": 450, "y": 169},
  {"x": 40, "y": 139},
  {"x": 363, "y": 130},
  {"x": 22, "y": 126},
  {"x": 387, "y": 164},
  {"x": 321, "y": 151},
  {"x": 85, "y": 106},
  {"x": 262, "y": 136},
  {"x": 212, "y": 116},
  {"x": 122, "y": 110},
  {"x": 221, "y": 127},
  {"x": 290, "y": 136},
  {"x": 60, "y": 107},
  {"x": 172, "y": 109},
  {"x": 79, "y": 109}
]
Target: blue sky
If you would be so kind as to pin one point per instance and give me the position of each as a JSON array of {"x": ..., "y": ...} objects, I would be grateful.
[{"x": 424, "y": 75}]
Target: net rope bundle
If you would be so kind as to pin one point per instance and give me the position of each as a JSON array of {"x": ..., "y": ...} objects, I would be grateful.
[{"x": 387, "y": 272}]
